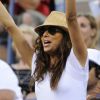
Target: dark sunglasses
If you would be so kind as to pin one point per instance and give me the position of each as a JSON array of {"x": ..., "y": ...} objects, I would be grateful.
[{"x": 51, "y": 30}]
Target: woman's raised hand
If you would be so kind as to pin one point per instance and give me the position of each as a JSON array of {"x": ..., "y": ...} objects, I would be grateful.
[{"x": 5, "y": 17}]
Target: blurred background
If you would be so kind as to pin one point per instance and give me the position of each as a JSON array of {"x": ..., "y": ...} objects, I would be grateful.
[
  {"x": 40, "y": 8},
  {"x": 28, "y": 14}
]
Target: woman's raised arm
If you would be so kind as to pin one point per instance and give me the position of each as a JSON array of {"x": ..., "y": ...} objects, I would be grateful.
[
  {"x": 25, "y": 50},
  {"x": 78, "y": 44}
]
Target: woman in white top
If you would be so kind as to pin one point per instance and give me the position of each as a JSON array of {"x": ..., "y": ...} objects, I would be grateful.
[
  {"x": 60, "y": 70},
  {"x": 60, "y": 64}
]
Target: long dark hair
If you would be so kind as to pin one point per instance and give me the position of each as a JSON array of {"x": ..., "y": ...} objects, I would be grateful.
[{"x": 43, "y": 61}]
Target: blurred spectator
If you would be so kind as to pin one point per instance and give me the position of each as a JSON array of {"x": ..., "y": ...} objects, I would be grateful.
[
  {"x": 88, "y": 28},
  {"x": 21, "y": 69},
  {"x": 95, "y": 9},
  {"x": 31, "y": 18},
  {"x": 27, "y": 19},
  {"x": 9, "y": 89},
  {"x": 43, "y": 6}
]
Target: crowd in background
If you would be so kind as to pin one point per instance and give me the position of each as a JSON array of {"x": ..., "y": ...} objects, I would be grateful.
[{"x": 28, "y": 14}]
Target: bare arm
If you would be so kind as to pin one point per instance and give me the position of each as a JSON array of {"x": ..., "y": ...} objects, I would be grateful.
[
  {"x": 78, "y": 44},
  {"x": 92, "y": 78},
  {"x": 25, "y": 50},
  {"x": 94, "y": 92},
  {"x": 7, "y": 95}
]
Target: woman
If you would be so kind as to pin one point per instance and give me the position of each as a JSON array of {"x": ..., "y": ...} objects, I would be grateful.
[
  {"x": 61, "y": 58},
  {"x": 88, "y": 28}
]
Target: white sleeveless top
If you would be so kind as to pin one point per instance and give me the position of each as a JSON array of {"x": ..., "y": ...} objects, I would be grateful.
[{"x": 72, "y": 85}]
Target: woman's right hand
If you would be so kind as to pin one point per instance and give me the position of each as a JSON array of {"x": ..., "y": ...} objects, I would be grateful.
[{"x": 5, "y": 17}]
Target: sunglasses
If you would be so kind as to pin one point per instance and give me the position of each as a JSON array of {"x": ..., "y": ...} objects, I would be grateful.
[{"x": 51, "y": 30}]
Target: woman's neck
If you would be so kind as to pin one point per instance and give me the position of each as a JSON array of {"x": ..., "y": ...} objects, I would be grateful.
[{"x": 53, "y": 60}]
